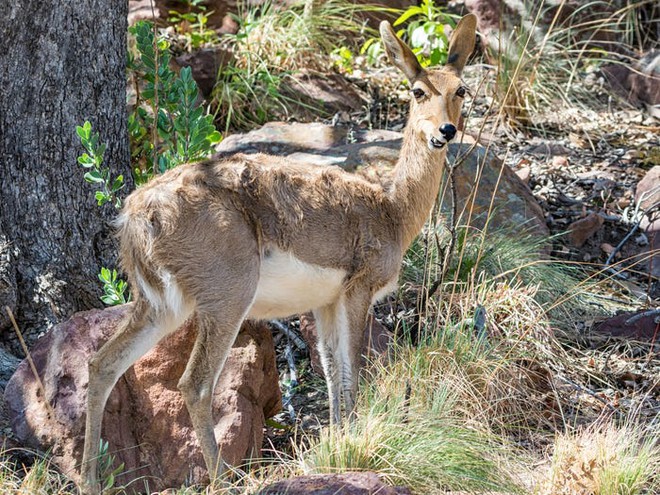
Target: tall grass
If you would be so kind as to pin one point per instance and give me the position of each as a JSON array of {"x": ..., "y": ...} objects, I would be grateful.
[
  {"x": 39, "y": 478},
  {"x": 541, "y": 68},
  {"x": 416, "y": 426},
  {"x": 271, "y": 46}
]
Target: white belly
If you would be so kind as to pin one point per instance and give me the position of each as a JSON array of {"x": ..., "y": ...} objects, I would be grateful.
[{"x": 288, "y": 286}]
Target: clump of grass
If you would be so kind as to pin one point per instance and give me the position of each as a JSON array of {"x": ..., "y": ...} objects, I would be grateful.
[
  {"x": 417, "y": 423},
  {"x": 538, "y": 68},
  {"x": 605, "y": 460},
  {"x": 273, "y": 44},
  {"x": 506, "y": 255},
  {"x": 40, "y": 477}
]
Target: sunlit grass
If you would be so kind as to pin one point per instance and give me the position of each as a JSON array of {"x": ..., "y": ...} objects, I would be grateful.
[
  {"x": 605, "y": 460},
  {"x": 416, "y": 426}
]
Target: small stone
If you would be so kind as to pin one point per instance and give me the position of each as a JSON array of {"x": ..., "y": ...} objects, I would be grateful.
[
  {"x": 583, "y": 229},
  {"x": 608, "y": 249},
  {"x": 524, "y": 174},
  {"x": 559, "y": 161}
]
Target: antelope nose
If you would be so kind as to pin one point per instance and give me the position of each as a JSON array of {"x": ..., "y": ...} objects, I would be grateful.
[{"x": 448, "y": 131}]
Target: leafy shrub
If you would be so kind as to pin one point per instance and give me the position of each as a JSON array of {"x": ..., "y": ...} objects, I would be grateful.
[
  {"x": 193, "y": 24},
  {"x": 424, "y": 33},
  {"x": 167, "y": 127},
  {"x": 182, "y": 132}
]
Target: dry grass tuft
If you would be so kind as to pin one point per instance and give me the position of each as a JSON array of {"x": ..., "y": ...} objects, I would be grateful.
[{"x": 605, "y": 460}]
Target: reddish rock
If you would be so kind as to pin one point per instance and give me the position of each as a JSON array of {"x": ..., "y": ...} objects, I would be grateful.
[
  {"x": 146, "y": 422},
  {"x": 334, "y": 484},
  {"x": 377, "y": 339},
  {"x": 647, "y": 195},
  {"x": 582, "y": 229},
  {"x": 640, "y": 326},
  {"x": 638, "y": 84}
]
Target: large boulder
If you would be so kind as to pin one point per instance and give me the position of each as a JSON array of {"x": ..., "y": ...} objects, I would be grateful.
[
  {"x": 480, "y": 175},
  {"x": 146, "y": 422}
]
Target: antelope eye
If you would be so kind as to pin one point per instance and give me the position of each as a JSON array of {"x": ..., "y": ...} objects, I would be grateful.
[
  {"x": 418, "y": 93},
  {"x": 461, "y": 91}
]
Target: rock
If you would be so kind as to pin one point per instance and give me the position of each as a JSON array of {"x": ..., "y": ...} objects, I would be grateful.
[
  {"x": 281, "y": 138},
  {"x": 146, "y": 422},
  {"x": 640, "y": 326},
  {"x": 373, "y": 153},
  {"x": 365, "y": 483},
  {"x": 332, "y": 92},
  {"x": 582, "y": 229},
  {"x": 377, "y": 339},
  {"x": 8, "y": 365},
  {"x": 647, "y": 195},
  {"x": 205, "y": 65},
  {"x": 524, "y": 174},
  {"x": 638, "y": 83}
]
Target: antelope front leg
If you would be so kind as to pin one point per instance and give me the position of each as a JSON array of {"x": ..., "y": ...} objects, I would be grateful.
[{"x": 357, "y": 304}]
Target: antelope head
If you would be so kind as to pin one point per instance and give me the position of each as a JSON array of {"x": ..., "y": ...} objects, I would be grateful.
[{"x": 438, "y": 93}]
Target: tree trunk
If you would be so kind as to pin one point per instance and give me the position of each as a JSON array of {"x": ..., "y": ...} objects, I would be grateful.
[{"x": 62, "y": 63}]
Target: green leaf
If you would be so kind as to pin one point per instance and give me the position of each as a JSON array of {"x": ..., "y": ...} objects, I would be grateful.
[
  {"x": 410, "y": 11},
  {"x": 82, "y": 133},
  {"x": 94, "y": 176},
  {"x": 215, "y": 137},
  {"x": 117, "y": 184},
  {"x": 86, "y": 161},
  {"x": 109, "y": 301},
  {"x": 101, "y": 198}
]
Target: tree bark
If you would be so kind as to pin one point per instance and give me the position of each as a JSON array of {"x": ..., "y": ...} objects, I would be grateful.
[{"x": 62, "y": 63}]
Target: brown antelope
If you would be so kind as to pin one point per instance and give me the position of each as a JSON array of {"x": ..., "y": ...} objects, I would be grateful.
[{"x": 256, "y": 236}]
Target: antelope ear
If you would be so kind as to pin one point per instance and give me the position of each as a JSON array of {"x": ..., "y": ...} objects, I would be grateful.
[
  {"x": 399, "y": 53},
  {"x": 462, "y": 43}
]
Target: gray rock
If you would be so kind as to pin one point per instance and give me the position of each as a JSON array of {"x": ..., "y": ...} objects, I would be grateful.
[
  {"x": 479, "y": 175},
  {"x": 365, "y": 483}
]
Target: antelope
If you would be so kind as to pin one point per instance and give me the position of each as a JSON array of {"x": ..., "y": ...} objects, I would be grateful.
[{"x": 256, "y": 236}]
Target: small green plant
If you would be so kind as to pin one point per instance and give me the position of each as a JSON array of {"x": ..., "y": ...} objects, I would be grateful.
[
  {"x": 114, "y": 289},
  {"x": 271, "y": 46},
  {"x": 96, "y": 173},
  {"x": 107, "y": 473},
  {"x": 424, "y": 33},
  {"x": 193, "y": 24},
  {"x": 182, "y": 131}
]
